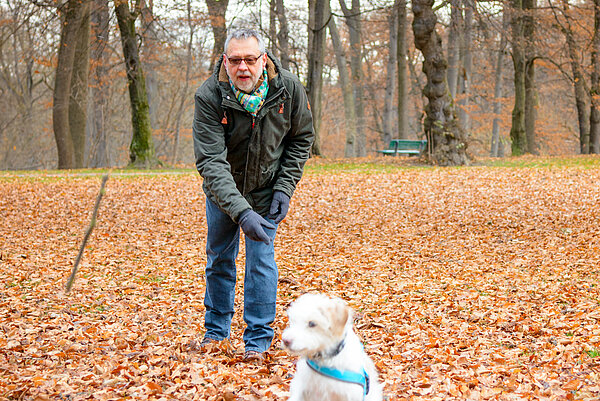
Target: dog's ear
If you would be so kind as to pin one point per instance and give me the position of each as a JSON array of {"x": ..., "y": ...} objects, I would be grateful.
[{"x": 340, "y": 315}]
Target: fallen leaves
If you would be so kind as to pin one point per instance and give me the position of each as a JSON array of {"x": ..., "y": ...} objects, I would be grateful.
[{"x": 478, "y": 283}]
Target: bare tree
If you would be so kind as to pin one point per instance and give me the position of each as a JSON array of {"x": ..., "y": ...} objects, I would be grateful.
[
  {"x": 186, "y": 85},
  {"x": 517, "y": 131},
  {"x": 466, "y": 63},
  {"x": 496, "y": 145},
  {"x": 454, "y": 40},
  {"x": 150, "y": 56},
  {"x": 353, "y": 22},
  {"x": 70, "y": 87},
  {"x": 141, "y": 149},
  {"x": 346, "y": 87},
  {"x": 318, "y": 17},
  {"x": 216, "y": 11},
  {"x": 98, "y": 106},
  {"x": 595, "y": 84},
  {"x": 402, "y": 69},
  {"x": 531, "y": 100},
  {"x": 283, "y": 36},
  {"x": 390, "y": 86},
  {"x": 446, "y": 142}
]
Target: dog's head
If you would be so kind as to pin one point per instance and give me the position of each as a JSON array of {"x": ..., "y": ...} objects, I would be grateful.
[{"x": 317, "y": 324}]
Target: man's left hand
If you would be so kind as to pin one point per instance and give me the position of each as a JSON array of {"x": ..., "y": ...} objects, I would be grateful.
[{"x": 279, "y": 206}]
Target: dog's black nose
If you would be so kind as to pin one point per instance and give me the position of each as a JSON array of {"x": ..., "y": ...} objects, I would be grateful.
[{"x": 286, "y": 342}]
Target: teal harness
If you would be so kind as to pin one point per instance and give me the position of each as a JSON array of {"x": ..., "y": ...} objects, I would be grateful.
[{"x": 347, "y": 376}]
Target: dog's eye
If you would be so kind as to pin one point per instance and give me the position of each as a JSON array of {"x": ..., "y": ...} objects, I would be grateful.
[{"x": 312, "y": 324}]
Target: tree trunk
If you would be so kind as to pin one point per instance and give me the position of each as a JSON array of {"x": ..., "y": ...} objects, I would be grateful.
[
  {"x": 531, "y": 100},
  {"x": 273, "y": 29},
  {"x": 346, "y": 87},
  {"x": 141, "y": 149},
  {"x": 495, "y": 146},
  {"x": 595, "y": 84},
  {"x": 79, "y": 88},
  {"x": 517, "y": 130},
  {"x": 283, "y": 37},
  {"x": 188, "y": 72},
  {"x": 150, "y": 57},
  {"x": 98, "y": 107},
  {"x": 317, "y": 22},
  {"x": 467, "y": 67},
  {"x": 454, "y": 39},
  {"x": 582, "y": 97},
  {"x": 216, "y": 11},
  {"x": 388, "y": 105},
  {"x": 446, "y": 142},
  {"x": 402, "y": 69},
  {"x": 354, "y": 25},
  {"x": 74, "y": 15}
]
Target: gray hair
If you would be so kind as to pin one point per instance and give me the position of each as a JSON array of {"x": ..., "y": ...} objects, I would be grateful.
[{"x": 246, "y": 33}]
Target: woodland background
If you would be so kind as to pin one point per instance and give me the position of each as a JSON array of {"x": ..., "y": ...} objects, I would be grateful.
[{"x": 346, "y": 54}]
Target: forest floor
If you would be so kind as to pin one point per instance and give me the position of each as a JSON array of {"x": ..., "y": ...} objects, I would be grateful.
[{"x": 478, "y": 282}]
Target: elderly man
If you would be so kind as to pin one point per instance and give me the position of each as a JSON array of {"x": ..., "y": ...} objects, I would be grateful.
[{"x": 252, "y": 135}]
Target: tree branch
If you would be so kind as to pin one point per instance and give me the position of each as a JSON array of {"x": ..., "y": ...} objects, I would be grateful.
[{"x": 87, "y": 235}]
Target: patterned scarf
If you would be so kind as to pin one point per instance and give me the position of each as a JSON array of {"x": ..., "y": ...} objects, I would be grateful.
[{"x": 252, "y": 102}]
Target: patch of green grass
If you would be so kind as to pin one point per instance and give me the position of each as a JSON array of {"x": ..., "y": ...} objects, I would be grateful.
[
  {"x": 57, "y": 175},
  {"x": 585, "y": 161},
  {"x": 593, "y": 353},
  {"x": 363, "y": 166}
]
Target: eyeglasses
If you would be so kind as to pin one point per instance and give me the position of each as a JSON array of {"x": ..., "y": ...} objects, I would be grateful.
[{"x": 247, "y": 60}]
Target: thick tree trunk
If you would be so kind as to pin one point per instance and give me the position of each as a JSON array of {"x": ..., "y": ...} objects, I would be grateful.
[
  {"x": 79, "y": 88},
  {"x": 402, "y": 69},
  {"x": 531, "y": 99},
  {"x": 595, "y": 84},
  {"x": 390, "y": 86},
  {"x": 346, "y": 87},
  {"x": 317, "y": 23},
  {"x": 517, "y": 132},
  {"x": 98, "y": 107},
  {"x": 354, "y": 25},
  {"x": 454, "y": 39},
  {"x": 141, "y": 149},
  {"x": 446, "y": 142},
  {"x": 216, "y": 11},
  {"x": 74, "y": 15},
  {"x": 495, "y": 146}
]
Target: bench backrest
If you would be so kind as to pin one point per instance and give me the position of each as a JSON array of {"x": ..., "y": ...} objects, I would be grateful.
[{"x": 405, "y": 144}]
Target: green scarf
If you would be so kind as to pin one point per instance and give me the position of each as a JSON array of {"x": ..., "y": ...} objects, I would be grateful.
[{"x": 252, "y": 102}]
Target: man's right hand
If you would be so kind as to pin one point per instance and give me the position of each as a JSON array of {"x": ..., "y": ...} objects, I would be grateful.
[{"x": 253, "y": 225}]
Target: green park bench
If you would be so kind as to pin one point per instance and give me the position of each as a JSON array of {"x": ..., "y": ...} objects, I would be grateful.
[{"x": 405, "y": 147}]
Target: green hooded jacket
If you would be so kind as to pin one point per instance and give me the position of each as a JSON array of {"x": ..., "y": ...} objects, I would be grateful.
[{"x": 242, "y": 159}]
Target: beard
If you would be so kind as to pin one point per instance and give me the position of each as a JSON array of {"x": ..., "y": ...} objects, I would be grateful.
[{"x": 246, "y": 81}]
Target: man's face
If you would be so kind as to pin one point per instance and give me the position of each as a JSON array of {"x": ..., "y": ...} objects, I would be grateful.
[{"x": 238, "y": 62}]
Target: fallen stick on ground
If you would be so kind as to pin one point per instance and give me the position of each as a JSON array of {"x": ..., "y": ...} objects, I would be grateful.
[{"x": 87, "y": 235}]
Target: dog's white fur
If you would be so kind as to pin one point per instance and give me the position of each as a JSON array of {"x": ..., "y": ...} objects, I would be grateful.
[{"x": 317, "y": 324}]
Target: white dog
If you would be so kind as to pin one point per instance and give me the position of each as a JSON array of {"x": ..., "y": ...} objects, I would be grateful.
[{"x": 333, "y": 364}]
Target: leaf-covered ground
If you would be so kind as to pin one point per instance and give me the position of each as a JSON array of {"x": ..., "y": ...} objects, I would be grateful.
[{"x": 470, "y": 283}]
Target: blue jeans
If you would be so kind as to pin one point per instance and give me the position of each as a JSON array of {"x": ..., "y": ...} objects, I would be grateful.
[{"x": 260, "y": 282}]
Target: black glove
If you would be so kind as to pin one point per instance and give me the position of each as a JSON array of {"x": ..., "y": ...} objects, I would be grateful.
[
  {"x": 279, "y": 206},
  {"x": 252, "y": 224}
]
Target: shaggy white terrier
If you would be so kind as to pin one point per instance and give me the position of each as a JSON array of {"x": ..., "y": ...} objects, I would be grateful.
[{"x": 333, "y": 364}]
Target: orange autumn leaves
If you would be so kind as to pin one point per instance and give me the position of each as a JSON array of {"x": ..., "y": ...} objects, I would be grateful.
[{"x": 474, "y": 283}]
